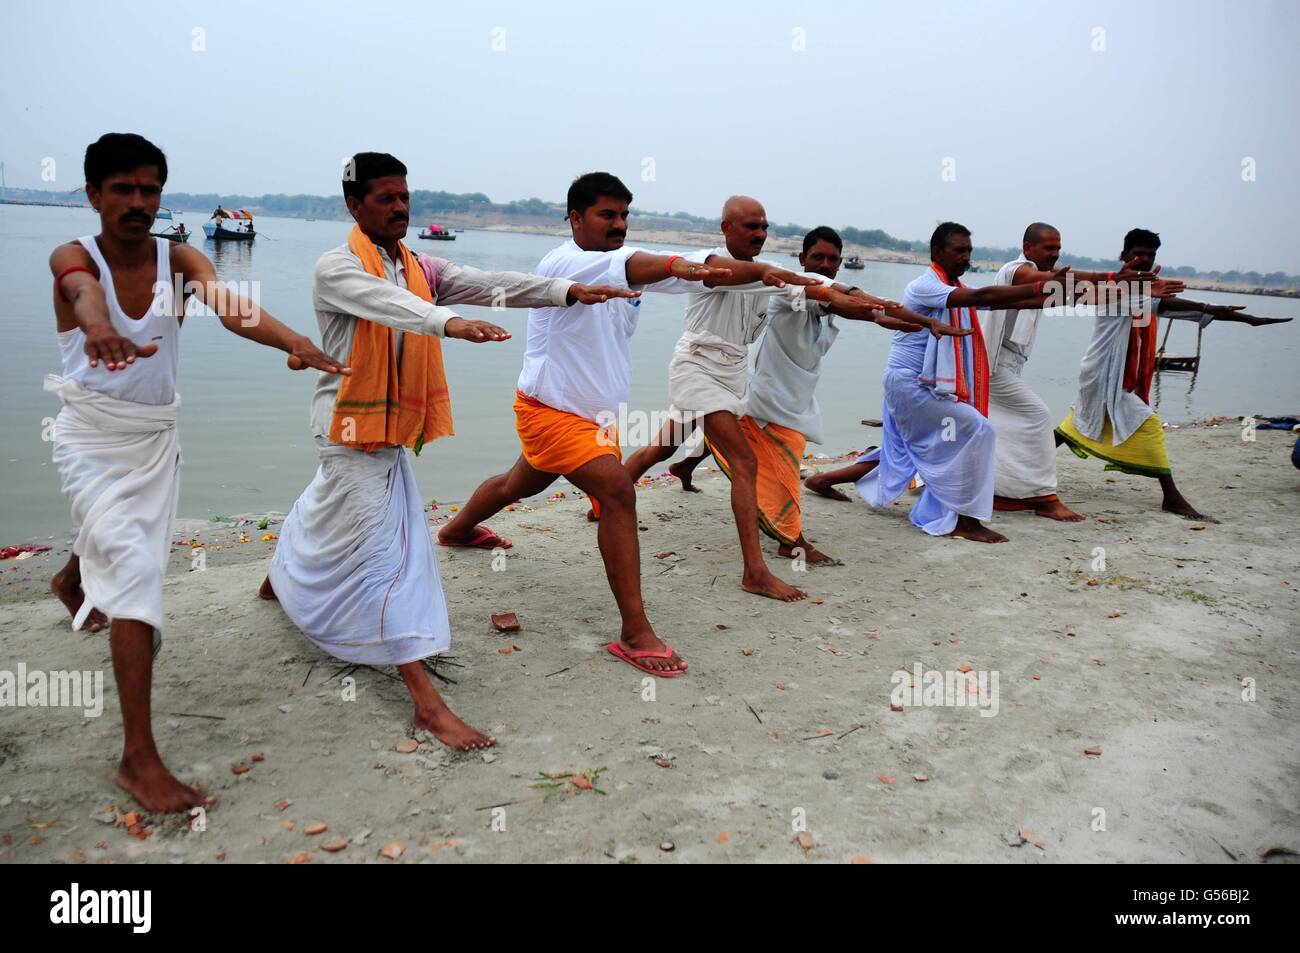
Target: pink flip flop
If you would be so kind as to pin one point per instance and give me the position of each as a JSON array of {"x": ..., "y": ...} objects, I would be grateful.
[
  {"x": 619, "y": 652},
  {"x": 487, "y": 539}
]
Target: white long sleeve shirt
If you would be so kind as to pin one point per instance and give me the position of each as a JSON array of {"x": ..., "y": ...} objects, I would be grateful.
[{"x": 343, "y": 291}]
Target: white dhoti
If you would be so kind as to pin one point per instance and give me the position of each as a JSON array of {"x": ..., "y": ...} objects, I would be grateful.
[
  {"x": 950, "y": 444},
  {"x": 1026, "y": 446},
  {"x": 707, "y": 375},
  {"x": 119, "y": 462},
  {"x": 355, "y": 568}
]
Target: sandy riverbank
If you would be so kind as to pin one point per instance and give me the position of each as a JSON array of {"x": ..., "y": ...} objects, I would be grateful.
[{"x": 1148, "y": 664}]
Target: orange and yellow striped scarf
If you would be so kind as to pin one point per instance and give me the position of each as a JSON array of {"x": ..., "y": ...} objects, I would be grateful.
[{"x": 376, "y": 405}]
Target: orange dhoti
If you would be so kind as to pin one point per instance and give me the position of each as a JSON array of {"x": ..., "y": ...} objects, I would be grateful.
[
  {"x": 778, "y": 451},
  {"x": 555, "y": 441}
]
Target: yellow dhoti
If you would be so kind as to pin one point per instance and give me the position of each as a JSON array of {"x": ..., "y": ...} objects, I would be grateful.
[{"x": 1143, "y": 453}]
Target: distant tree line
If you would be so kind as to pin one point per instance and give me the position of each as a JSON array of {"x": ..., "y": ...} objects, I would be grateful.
[{"x": 428, "y": 204}]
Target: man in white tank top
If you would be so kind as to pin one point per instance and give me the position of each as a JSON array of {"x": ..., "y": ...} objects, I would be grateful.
[{"x": 115, "y": 443}]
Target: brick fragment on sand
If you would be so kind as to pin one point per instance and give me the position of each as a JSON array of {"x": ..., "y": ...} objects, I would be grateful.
[
  {"x": 334, "y": 846},
  {"x": 1093, "y": 752},
  {"x": 302, "y": 857},
  {"x": 392, "y": 850},
  {"x": 406, "y": 746},
  {"x": 318, "y": 828},
  {"x": 505, "y": 622},
  {"x": 804, "y": 840}
]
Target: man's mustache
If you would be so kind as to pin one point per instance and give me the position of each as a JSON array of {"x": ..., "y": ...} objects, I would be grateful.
[
  {"x": 135, "y": 217},
  {"x": 616, "y": 233}
]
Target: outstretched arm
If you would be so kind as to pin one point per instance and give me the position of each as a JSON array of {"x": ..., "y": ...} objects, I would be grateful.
[
  {"x": 462, "y": 284},
  {"x": 644, "y": 268},
  {"x": 1033, "y": 295},
  {"x": 246, "y": 318},
  {"x": 858, "y": 305},
  {"x": 1220, "y": 312},
  {"x": 755, "y": 272},
  {"x": 80, "y": 302}
]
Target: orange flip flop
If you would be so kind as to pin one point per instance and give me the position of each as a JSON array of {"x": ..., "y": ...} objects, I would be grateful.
[
  {"x": 619, "y": 652},
  {"x": 487, "y": 539}
]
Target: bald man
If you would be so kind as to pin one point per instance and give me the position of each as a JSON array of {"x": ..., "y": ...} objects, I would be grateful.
[
  {"x": 708, "y": 377},
  {"x": 1025, "y": 470}
]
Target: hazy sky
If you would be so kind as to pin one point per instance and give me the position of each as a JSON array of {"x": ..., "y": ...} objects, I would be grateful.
[{"x": 1094, "y": 116}]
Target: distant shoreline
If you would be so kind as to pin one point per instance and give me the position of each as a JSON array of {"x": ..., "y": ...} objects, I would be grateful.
[{"x": 776, "y": 245}]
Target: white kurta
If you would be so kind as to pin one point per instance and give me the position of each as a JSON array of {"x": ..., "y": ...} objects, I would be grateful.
[
  {"x": 119, "y": 462},
  {"x": 354, "y": 567},
  {"x": 1026, "y": 454},
  {"x": 949, "y": 443},
  {"x": 788, "y": 365},
  {"x": 709, "y": 370},
  {"x": 1101, "y": 373}
]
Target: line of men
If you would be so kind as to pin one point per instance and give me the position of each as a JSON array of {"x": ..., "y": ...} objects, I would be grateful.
[{"x": 354, "y": 567}]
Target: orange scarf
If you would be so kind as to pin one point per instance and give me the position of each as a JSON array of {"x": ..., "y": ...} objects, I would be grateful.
[
  {"x": 376, "y": 405},
  {"x": 979, "y": 399},
  {"x": 1140, "y": 362}
]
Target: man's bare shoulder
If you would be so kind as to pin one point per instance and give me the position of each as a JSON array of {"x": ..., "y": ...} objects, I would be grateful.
[
  {"x": 186, "y": 260},
  {"x": 71, "y": 255}
]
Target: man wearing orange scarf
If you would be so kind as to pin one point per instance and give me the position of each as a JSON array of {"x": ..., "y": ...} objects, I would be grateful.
[
  {"x": 354, "y": 567},
  {"x": 936, "y": 403},
  {"x": 1112, "y": 418}
]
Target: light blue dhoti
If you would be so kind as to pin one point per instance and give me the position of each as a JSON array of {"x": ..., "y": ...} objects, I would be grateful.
[{"x": 950, "y": 444}]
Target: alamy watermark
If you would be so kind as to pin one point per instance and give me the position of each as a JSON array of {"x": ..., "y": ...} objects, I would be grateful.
[
  {"x": 60, "y": 689},
  {"x": 938, "y": 688}
]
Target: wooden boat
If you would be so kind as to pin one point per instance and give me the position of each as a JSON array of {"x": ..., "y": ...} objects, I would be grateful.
[
  {"x": 230, "y": 226},
  {"x": 173, "y": 233},
  {"x": 437, "y": 233},
  {"x": 854, "y": 263}
]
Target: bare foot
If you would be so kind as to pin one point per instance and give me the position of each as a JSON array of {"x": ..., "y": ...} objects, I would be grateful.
[
  {"x": 69, "y": 592},
  {"x": 647, "y": 641},
  {"x": 1181, "y": 507},
  {"x": 811, "y": 554},
  {"x": 157, "y": 789},
  {"x": 443, "y": 724},
  {"x": 266, "y": 592},
  {"x": 685, "y": 471},
  {"x": 973, "y": 529},
  {"x": 817, "y": 483},
  {"x": 1056, "y": 510},
  {"x": 763, "y": 583}
]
